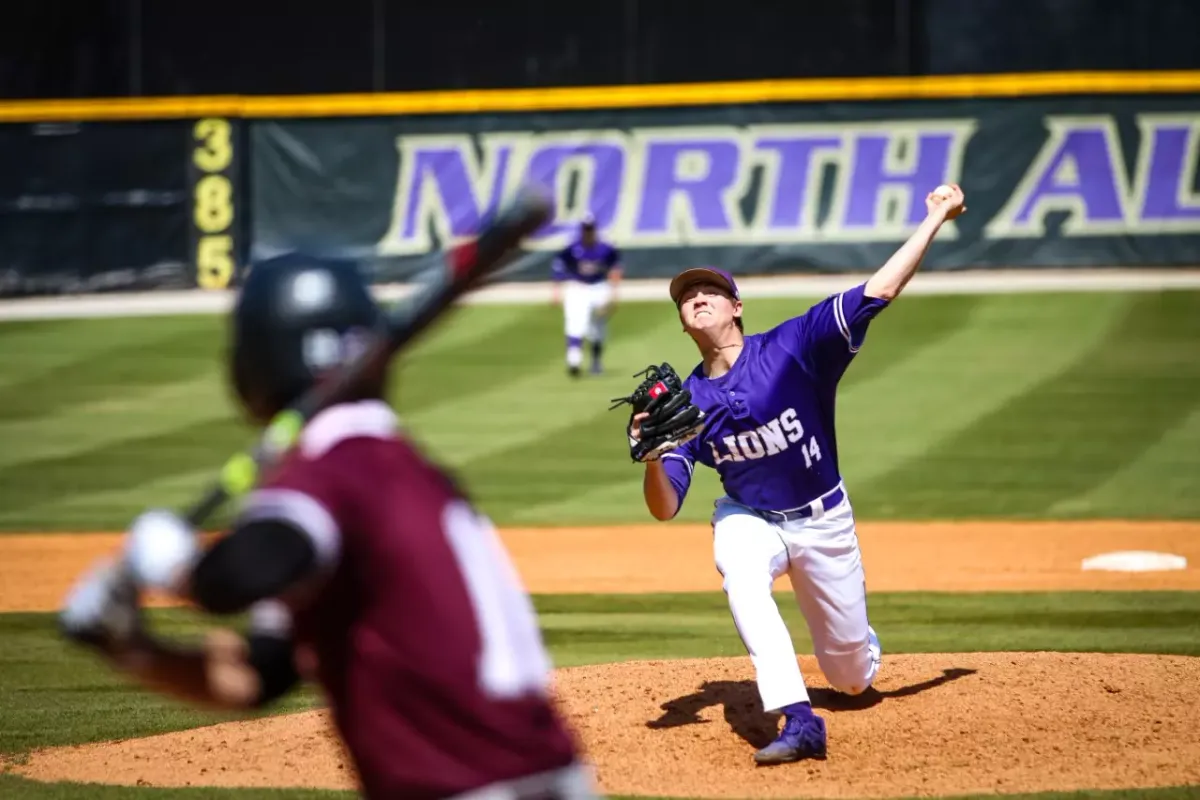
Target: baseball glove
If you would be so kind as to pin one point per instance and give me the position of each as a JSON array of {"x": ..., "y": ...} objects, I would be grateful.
[{"x": 674, "y": 420}]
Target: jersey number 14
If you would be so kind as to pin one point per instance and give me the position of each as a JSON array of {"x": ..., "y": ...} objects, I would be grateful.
[{"x": 811, "y": 451}]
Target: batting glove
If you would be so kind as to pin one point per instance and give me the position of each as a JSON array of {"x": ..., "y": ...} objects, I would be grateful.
[{"x": 101, "y": 610}]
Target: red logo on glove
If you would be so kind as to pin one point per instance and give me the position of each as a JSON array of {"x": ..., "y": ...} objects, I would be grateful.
[{"x": 657, "y": 390}]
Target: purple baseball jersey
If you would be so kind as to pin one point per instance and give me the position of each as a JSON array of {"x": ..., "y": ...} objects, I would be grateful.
[
  {"x": 770, "y": 431},
  {"x": 427, "y": 703},
  {"x": 585, "y": 264}
]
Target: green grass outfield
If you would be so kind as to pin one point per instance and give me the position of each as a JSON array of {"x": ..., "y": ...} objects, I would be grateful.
[
  {"x": 1024, "y": 406},
  {"x": 1021, "y": 406}
]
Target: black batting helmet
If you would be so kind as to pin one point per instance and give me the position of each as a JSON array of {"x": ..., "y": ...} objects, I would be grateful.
[{"x": 297, "y": 316}]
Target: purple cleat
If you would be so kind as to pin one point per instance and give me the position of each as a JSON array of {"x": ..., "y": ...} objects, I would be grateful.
[{"x": 803, "y": 736}]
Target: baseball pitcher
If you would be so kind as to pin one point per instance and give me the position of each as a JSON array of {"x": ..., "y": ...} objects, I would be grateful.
[
  {"x": 759, "y": 410},
  {"x": 586, "y": 275}
]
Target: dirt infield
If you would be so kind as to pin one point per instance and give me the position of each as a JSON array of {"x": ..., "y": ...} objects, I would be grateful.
[
  {"x": 36, "y": 569},
  {"x": 969, "y": 723}
]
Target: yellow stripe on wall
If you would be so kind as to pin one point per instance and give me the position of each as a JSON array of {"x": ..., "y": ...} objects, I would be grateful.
[{"x": 932, "y": 87}]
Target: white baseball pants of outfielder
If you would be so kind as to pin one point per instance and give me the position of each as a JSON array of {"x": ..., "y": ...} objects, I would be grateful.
[
  {"x": 585, "y": 309},
  {"x": 821, "y": 557}
]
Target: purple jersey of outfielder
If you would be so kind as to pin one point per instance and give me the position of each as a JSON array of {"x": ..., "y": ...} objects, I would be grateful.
[
  {"x": 585, "y": 263},
  {"x": 770, "y": 432}
]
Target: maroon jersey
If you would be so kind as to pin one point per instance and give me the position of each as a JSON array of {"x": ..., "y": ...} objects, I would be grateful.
[{"x": 425, "y": 642}]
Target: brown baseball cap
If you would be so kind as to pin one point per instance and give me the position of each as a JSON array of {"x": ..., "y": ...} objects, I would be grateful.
[{"x": 689, "y": 277}]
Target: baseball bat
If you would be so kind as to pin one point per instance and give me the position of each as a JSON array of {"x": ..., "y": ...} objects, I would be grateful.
[{"x": 446, "y": 282}]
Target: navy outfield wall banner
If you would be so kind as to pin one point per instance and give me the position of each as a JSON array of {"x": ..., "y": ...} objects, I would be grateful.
[
  {"x": 771, "y": 188},
  {"x": 93, "y": 206}
]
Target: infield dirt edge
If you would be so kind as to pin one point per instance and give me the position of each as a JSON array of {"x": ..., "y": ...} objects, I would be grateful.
[{"x": 36, "y": 570}]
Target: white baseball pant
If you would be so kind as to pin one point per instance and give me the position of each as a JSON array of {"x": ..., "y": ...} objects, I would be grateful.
[
  {"x": 821, "y": 557},
  {"x": 584, "y": 310},
  {"x": 585, "y": 316}
]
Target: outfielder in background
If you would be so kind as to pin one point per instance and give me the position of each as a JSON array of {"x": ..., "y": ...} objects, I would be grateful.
[
  {"x": 363, "y": 568},
  {"x": 586, "y": 275},
  {"x": 768, "y": 430}
]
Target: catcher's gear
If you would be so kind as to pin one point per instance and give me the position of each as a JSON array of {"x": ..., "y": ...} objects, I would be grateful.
[{"x": 674, "y": 420}]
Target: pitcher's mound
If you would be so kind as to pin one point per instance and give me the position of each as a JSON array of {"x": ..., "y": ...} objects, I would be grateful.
[{"x": 934, "y": 725}]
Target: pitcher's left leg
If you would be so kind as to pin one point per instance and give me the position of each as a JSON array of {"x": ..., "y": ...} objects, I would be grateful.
[
  {"x": 750, "y": 555},
  {"x": 830, "y": 586}
]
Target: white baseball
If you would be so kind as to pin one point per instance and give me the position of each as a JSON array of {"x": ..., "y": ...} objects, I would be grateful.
[{"x": 943, "y": 191}]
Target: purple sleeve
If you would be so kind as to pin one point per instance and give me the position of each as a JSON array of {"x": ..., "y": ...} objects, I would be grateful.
[
  {"x": 613, "y": 258},
  {"x": 679, "y": 464},
  {"x": 830, "y": 333}
]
